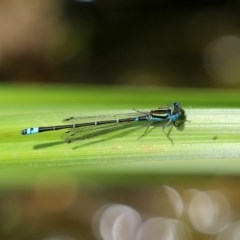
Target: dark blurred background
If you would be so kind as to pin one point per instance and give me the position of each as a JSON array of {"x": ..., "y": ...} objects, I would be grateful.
[{"x": 137, "y": 42}]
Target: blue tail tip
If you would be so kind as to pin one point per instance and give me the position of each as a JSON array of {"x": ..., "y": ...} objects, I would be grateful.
[
  {"x": 31, "y": 130},
  {"x": 24, "y": 132}
]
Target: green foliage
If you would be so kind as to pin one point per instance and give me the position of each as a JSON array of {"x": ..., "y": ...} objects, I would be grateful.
[{"x": 209, "y": 143}]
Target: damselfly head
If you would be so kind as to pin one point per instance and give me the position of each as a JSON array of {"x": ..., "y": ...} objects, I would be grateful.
[{"x": 180, "y": 122}]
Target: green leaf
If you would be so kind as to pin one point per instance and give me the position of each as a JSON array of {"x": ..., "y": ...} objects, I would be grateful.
[{"x": 209, "y": 144}]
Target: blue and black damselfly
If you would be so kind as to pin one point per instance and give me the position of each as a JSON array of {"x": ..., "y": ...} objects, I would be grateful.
[{"x": 79, "y": 128}]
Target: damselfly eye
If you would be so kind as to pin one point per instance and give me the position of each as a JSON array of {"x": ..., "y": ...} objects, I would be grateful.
[{"x": 180, "y": 123}]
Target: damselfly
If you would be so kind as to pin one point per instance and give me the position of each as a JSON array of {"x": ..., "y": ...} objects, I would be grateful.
[{"x": 78, "y": 128}]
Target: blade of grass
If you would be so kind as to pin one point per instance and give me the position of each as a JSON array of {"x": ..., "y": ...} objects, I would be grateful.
[
  {"x": 53, "y": 98},
  {"x": 209, "y": 143}
]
